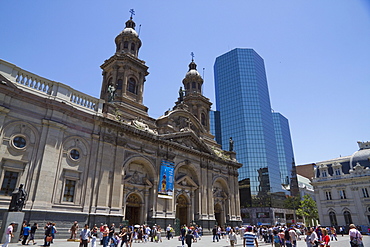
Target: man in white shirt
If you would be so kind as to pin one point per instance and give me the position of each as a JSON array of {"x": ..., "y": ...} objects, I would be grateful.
[
  {"x": 9, "y": 234},
  {"x": 293, "y": 236}
]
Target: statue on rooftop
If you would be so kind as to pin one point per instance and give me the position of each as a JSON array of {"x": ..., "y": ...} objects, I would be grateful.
[
  {"x": 111, "y": 92},
  {"x": 231, "y": 144}
]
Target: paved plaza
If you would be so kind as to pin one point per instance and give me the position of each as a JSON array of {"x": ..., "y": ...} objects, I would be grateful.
[{"x": 206, "y": 241}]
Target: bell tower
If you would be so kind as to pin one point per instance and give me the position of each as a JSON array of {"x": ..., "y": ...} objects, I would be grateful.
[
  {"x": 198, "y": 105},
  {"x": 124, "y": 73}
]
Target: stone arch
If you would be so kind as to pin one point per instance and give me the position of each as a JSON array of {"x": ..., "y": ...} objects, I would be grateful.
[
  {"x": 221, "y": 202},
  {"x": 20, "y": 127},
  {"x": 182, "y": 168},
  {"x": 140, "y": 162},
  {"x": 139, "y": 177}
]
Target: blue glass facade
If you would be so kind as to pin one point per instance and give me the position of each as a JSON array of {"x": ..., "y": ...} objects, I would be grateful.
[
  {"x": 215, "y": 127},
  {"x": 284, "y": 146},
  {"x": 242, "y": 98}
]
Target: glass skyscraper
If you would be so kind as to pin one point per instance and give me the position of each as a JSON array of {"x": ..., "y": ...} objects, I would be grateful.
[
  {"x": 243, "y": 103},
  {"x": 284, "y": 146}
]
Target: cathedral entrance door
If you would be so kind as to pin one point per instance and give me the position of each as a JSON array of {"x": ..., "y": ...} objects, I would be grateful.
[
  {"x": 133, "y": 209},
  {"x": 182, "y": 210},
  {"x": 218, "y": 215}
]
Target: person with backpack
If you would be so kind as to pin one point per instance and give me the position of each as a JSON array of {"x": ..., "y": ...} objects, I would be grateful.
[{"x": 355, "y": 236}]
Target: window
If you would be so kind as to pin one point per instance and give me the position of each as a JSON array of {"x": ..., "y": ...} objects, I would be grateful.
[
  {"x": 365, "y": 192},
  {"x": 9, "y": 183},
  {"x": 324, "y": 173},
  {"x": 193, "y": 85},
  {"x": 132, "y": 47},
  {"x": 125, "y": 45},
  {"x": 75, "y": 154},
  {"x": 337, "y": 171},
  {"x": 328, "y": 195},
  {"x": 342, "y": 194},
  {"x": 69, "y": 190},
  {"x": 347, "y": 217},
  {"x": 263, "y": 215},
  {"x": 203, "y": 119},
  {"x": 333, "y": 219},
  {"x": 19, "y": 142},
  {"x": 119, "y": 84},
  {"x": 132, "y": 86}
]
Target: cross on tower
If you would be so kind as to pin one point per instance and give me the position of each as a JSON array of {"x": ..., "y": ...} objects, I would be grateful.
[
  {"x": 192, "y": 56},
  {"x": 132, "y": 11}
]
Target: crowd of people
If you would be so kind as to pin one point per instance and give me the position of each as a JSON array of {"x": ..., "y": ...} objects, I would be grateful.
[{"x": 125, "y": 236}]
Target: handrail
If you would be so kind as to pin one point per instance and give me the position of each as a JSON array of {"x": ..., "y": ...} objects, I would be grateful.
[{"x": 50, "y": 89}]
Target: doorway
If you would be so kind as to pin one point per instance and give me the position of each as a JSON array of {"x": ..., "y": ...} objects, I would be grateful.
[
  {"x": 133, "y": 209},
  {"x": 182, "y": 210},
  {"x": 218, "y": 215}
]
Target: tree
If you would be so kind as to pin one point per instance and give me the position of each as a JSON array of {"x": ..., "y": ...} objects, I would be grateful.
[
  {"x": 308, "y": 210},
  {"x": 292, "y": 202}
]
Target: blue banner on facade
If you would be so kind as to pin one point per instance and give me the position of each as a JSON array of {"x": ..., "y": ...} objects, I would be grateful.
[{"x": 166, "y": 179}]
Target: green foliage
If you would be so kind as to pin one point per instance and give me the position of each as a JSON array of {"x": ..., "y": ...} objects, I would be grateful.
[
  {"x": 292, "y": 202},
  {"x": 308, "y": 209}
]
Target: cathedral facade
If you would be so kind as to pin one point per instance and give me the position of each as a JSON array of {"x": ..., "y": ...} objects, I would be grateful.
[{"x": 106, "y": 160}]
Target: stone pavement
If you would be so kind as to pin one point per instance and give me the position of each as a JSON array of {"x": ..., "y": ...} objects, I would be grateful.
[{"x": 206, "y": 241}]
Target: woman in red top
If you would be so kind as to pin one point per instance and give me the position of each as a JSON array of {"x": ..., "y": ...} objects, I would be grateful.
[{"x": 325, "y": 238}]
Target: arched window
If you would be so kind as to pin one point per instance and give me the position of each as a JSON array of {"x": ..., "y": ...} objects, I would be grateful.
[
  {"x": 199, "y": 87},
  {"x": 132, "y": 86},
  {"x": 118, "y": 46},
  {"x": 125, "y": 45},
  {"x": 132, "y": 47},
  {"x": 193, "y": 85},
  {"x": 347, "y": 217},
  {"x": 188, "y": 85},
  {"x": 333, "y": 219},
  {"x": 119, "y": 84},
  {"x": 203, "y": 119}
]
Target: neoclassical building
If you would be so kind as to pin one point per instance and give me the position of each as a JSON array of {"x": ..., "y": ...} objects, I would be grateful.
[
  {"x": 342, "y": 189},
  {"x": 106, "y": 160}
]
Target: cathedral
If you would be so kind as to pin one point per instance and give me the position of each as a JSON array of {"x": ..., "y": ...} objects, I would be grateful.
[{"x": 105, "y": 159}]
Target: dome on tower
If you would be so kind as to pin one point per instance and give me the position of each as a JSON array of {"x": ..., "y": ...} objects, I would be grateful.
[
  {"x": 192, "y": 69},
  {"x": 362, "y": 156}
]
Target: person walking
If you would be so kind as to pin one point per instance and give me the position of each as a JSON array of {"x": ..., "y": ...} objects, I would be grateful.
[
  {"x": 53, "y": 231},
  {"x": 169, "y": 232},
  {"x": 276, "y": 242},
  {"x": 293, "y": 237},
  {"x": 232, "y": 237},
  {"x": 26, "y": 233},
  {"x": 94, "y": 235},
  {"x": 215, "y": 234},
  {"x": 189, "y": 238},
  {"x": 32, "y": 234},
  {"x": 48, "y": 238},
  {"x": 9, "y": 234},
  {"x": 325, "y": 238},
  {"x": 249, "y": 238},
  {"x": 73, "y": 230},
  {"x": 355, "y": 236},
  {"x": 333, "y": 234},
  {"x": 105, "y": 236},
  {"x": 85, "y": 236}
]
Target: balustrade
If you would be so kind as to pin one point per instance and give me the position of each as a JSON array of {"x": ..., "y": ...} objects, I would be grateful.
[{"x": 50, "y": 89}]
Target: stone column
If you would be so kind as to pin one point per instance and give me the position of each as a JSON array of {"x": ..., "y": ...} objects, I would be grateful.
[
  {"x": 146, "y": 207},
  {"x": 192, "y": 212}
]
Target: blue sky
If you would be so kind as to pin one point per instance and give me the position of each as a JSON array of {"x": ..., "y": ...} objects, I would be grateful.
[{"x": 316, "y": 53}]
